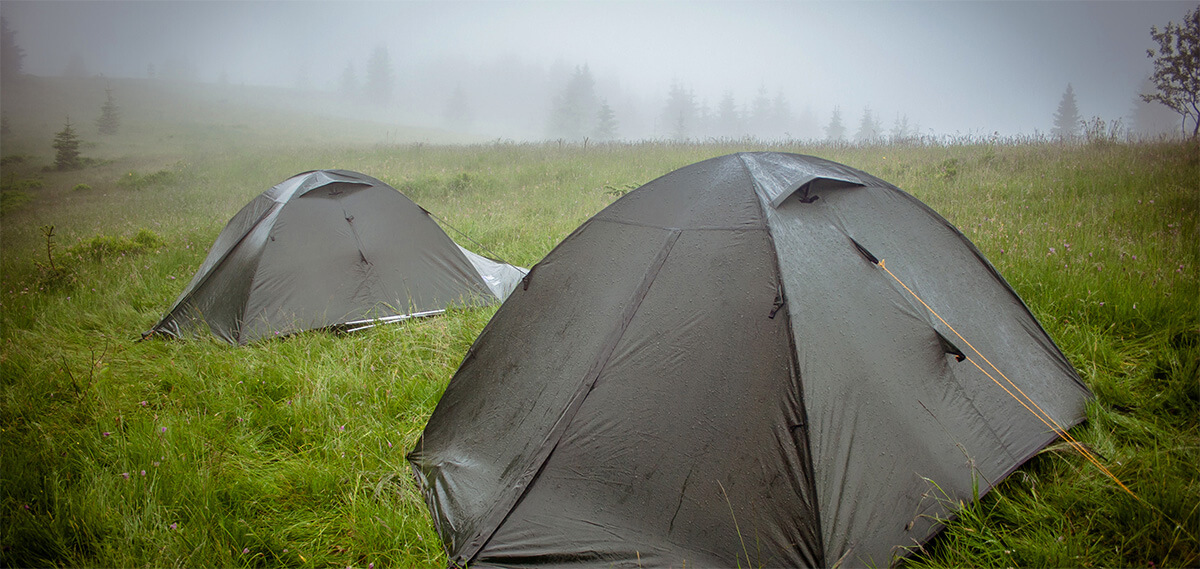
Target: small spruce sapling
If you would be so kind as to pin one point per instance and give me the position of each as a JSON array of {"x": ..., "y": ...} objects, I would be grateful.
[
  {"x": 66, "y": 145},
  {"x": 53, "y": 275},
  {"x": 110, "y": 115}
]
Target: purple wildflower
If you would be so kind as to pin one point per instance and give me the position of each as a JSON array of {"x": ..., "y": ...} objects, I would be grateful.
[{"x": 173, "y": 526}]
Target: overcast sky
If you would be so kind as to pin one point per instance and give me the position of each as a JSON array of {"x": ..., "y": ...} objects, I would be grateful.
[{"x": 952, "y": 67}]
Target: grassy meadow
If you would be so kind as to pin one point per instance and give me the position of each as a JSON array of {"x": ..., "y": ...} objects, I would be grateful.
[{"x": 116, "y": 453}]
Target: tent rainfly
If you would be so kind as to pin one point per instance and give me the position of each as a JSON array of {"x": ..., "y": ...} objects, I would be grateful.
[
  {"x": 330, "y": 248},
  {"x": 737, "y": 364}
]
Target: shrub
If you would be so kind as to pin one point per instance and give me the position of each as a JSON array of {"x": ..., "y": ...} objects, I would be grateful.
[
  {"x": 102, "y": 246},
  {"x": 13, "y": 159},
  {"x": 21, "y": 185},
  {"x": 13, "y": 199},
  {"x": 948, "y": 169}
]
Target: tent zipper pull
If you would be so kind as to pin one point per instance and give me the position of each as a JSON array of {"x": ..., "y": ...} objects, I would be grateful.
[{"x": 779, "y": 302}]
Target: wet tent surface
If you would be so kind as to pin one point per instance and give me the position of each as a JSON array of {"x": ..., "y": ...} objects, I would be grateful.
[
  {"x": 712, "y": 372},
  {"x": 322, "y": 249}
]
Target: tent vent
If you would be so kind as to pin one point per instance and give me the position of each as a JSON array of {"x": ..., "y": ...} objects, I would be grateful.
[
  {"x": 865, "y": 253},
  {"x": 950, "y": 348},
  {"x": 804, "y": 194}
]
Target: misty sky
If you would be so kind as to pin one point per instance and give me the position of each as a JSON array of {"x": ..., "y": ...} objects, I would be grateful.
[{"x": 952, "y": 67}]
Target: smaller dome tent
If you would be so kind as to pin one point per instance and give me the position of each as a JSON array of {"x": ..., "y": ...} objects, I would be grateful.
[
  {"x": 329, "y": 248},
  {"x": 717, "y": 370}
]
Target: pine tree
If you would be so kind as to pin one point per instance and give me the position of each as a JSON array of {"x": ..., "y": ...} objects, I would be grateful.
[
  {"x": 1066, "y": 119},
  {"x": 781, "y": 116},
  {"x": 760, "y": 113},
  {"x": 575, "y": 107},
  {"x": 808, "y": 127},
  {"x": 727, "y": 117},
  {"x": 680, "y": 111},
  {"x": 11, "y": 54},
  {"x": 704, "y": 119},
  {"x": 679, "y": 130},
  {"x": 868, "y": 128},
  {"x": 606, "y": 123},
  {"x": 66, "y": 145},
  {"x": 380, "y": 78},
  {"x": 835, "y": 131},
  {"x": 900, "y": 129},
  {"x": 110, "y": 115}
]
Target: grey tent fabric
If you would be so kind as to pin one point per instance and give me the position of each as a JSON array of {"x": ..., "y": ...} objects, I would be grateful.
[
  {"x": 501, "y": 278},
  {"x": 716, "y": 371},
  {"x": 329, "y": 248}
]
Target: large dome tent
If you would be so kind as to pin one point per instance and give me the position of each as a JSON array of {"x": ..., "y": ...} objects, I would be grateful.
[
  {"x": 329, "y": 249},
  {"x": 761, "y": 359}
]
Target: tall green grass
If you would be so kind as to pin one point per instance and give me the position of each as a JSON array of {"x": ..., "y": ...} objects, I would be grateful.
[{"x": 291, "y": 452}]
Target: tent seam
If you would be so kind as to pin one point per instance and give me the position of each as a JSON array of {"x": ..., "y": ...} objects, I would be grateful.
[
  {"x": 793, "y": 365},
  {"x": 477, "y": 543}
]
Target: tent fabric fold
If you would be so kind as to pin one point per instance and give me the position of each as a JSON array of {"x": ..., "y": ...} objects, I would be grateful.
[
  {"x": 716, "y": 371},
  {"x": 329, "y": 248}
]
